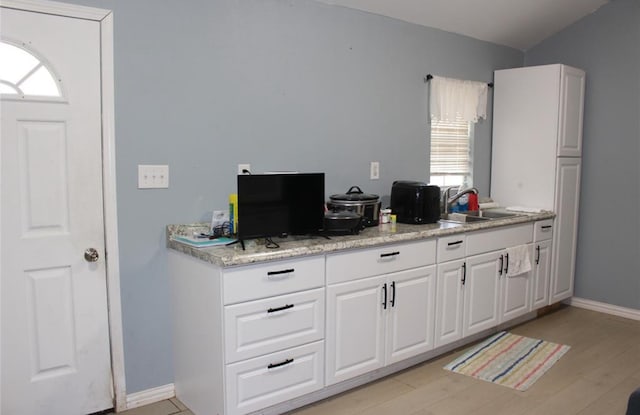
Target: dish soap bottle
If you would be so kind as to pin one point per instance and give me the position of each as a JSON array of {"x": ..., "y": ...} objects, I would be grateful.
[{"x": 463, "y": 202}]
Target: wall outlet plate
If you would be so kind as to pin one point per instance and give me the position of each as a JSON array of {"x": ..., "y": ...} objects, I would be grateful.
[
  {"x": 374, "y": 170},
  {"x": 242, "y": 167}
]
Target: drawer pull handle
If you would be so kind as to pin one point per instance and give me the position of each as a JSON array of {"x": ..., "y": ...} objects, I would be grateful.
[
  {"x": 393, "y": 294},
  {"x": 390, "y": 254},
  {"x": 454, "y": 243},
  {"x": 284, "y": 271},
  {"x": 384, "y": 301},
  {"x": 545, "y": 227},
  {"x": 274, "y": 365},
  {"x": 284, "y": 307}
]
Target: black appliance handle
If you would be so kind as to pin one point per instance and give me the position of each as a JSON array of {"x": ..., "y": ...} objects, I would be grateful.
[
  {"x": 384, "y": 302},
  {"x": 393, "y": 294},
  {"x": 350, "y": 191},
  {"x": 390, "y": 254},
  {"x": 537, "y": 254},
  {"x": 285, "y": 362},
  {"x": 284, "y": 271},
  {"x": 506, "y": 264},
  {"x": 501, "y": 264},
  {"x": 284, "y": 307},
  {"x": 464, "y": 273},
  {"x": 454, "y": 243}
]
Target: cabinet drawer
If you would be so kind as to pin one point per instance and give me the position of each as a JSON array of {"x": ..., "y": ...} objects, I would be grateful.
[
  {"x": 451, "y": 247},
  {"x": 264, "y": 381},
  {"x": 353, "y": 265},
  {"x": 543, "y": 230},
  {"x": 495, "y": 239},
  {"x": 265, "y": 326},
  {"x": 275, "y": 278}
]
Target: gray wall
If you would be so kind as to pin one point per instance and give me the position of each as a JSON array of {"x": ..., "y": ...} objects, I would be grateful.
[
  {"x": 606, "y": 45},
  {"x": 281, "y": 84}
]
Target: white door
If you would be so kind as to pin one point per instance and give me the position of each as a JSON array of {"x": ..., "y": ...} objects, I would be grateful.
[
  {"x": 482, "y": 293},
  {"x": 449, "y": 302},
  {"x": 55, "y": 343},
  {"x": 542, "y": 272},
  {"x": 516, "y": 293},
  {"x": 565, "y": 233},
  {"x": 411, "y": 309},
  {"x": 355, "y": 328}
]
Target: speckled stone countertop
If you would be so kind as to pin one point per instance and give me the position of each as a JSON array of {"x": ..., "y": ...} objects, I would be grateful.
[{"x": 291, "y": 247}]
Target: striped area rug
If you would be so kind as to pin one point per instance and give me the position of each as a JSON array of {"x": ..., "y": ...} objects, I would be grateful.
[{"x": 509, "y": 360}]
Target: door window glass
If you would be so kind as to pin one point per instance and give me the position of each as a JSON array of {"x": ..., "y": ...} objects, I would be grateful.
[{"x": 24, "y": 75}]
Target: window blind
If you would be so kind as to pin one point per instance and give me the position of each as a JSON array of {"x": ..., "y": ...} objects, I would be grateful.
[{"x": 450, "y": 148}]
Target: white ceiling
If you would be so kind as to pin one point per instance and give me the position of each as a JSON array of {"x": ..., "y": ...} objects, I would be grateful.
[{"x": 519, "y": 24}]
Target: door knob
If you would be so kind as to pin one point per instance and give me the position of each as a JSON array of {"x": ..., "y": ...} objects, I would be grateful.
[{"x": 91, "y": 255}]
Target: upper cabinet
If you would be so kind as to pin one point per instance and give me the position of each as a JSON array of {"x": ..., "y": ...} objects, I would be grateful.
[
  {"x": 571, "y": 111},
  {"x": 537, "y": 117}
]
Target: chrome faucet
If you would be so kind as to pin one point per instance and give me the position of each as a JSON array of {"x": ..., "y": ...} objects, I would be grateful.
[{"x": 449, "y": 200}]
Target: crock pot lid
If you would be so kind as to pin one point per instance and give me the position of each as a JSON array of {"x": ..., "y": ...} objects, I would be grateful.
[{"x": 355, "y": 194}]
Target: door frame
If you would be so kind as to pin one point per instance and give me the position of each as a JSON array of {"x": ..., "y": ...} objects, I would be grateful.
[{"x": 112, "y": 261}]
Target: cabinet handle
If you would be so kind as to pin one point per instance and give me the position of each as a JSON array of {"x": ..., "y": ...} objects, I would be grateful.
[
  {"x": 545, "y": 227},
  {"x": 454, "y": 243},
  {"x": 284, "y": 307},
  {"x": 274, "y": 365},
  {"x": 284, "y": 271},
  {"x": 537, "y": 254},
  {"x": 393, "y": 294},
  {"x": 464, "y": 272},
  {"x": 501, "y": 264},
  {"x": 390, "y": 254},
  {"x": 506, "y": 264},
  {"x": 384, "y": 301}
]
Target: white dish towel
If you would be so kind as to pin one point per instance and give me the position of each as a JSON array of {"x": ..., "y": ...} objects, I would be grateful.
[{"x": 519, "y": 261}]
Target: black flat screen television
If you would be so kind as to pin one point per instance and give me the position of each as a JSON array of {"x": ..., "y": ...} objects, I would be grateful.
[{"x": 280, "y": 204}]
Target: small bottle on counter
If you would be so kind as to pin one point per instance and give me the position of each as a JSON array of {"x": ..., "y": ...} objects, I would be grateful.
[{"x": 385, "y": 216}]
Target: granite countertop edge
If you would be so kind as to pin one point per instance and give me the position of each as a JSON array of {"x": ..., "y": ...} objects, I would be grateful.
[{"x": 293, "y": 247}]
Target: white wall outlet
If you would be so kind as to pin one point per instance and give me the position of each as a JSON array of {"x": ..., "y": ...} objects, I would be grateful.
[
  {"x": 242, "y": 167},
  {"x": 153, "y": 176},
  {"x": 375, "y": 170},
  {"x": 219, "y": 217}
]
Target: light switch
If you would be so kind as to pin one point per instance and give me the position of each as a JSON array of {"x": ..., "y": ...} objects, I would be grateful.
[{"x": 153, "y": 176}]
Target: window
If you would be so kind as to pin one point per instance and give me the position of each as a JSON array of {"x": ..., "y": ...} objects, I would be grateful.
[
  {"x": 451, "y": 153},
  {"x": 26, "y": 75}
]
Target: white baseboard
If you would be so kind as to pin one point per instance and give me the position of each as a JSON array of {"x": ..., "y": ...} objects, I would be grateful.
[
  {"x": 630, "y": 313},
  {"x": 150, "y": 396}
]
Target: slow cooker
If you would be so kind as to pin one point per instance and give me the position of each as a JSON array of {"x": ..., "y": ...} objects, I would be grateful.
[{"x": 355, "y": 200}]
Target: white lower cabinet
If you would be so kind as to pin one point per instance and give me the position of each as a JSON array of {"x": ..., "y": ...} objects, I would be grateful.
[
  {"x": 267, "y": 380},
  {"x": 377, "y": 321},
  {"x": 481, "y": 293},
  {"x": 449, "y": 302},
  {"x": 253, "y": 336}
]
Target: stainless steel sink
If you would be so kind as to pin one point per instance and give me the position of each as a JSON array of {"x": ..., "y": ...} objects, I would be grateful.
[
  {"x": 477, "y": 216},
  {"x": 462, "y": 217}
]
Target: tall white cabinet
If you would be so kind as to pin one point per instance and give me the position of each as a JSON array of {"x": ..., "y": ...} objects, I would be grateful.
[{"x": 537, "y": 145}]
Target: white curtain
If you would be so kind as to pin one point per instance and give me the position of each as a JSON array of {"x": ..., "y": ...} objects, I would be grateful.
[{"x": 450, "y": 98}]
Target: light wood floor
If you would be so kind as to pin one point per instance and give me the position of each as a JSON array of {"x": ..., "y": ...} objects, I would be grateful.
[{"x": 594, "y": 378}]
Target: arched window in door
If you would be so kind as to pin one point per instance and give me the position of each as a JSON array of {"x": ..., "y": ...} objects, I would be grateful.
[{"x": 24, "y": 76}]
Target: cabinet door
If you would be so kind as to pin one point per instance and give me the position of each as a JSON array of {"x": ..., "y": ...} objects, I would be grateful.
[
  {"x": 566, "y": 230},
  {"x": 516, "y": 293},
  {"x": 449, "y": 302},
  {"x": 571, "y": 112},
  {"x": 410, "y": 313},
  {"x": 481, "y": 296},
  {"x": 541, "y": 274},
  {"x": 355, "y": 328}
]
